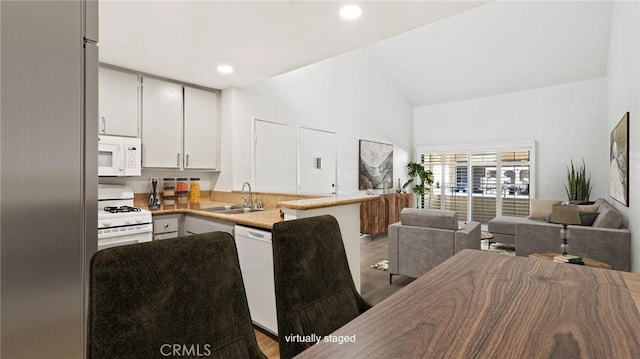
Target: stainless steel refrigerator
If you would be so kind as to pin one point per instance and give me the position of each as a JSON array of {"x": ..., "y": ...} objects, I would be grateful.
[{"x": 48, "y": 174}]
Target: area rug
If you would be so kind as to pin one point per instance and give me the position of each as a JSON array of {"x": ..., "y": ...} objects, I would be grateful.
[
  {"x": 484, "y": 245},
  {"x": 382, "y": 265},
  {"x": 494, "y": 247},
  {"x": 486, "y": 235}
]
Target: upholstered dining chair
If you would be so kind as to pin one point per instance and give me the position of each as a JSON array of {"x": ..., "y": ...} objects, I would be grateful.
[
  {"x": 181, "y": 297},
  {"x": 315, "y": 293}
]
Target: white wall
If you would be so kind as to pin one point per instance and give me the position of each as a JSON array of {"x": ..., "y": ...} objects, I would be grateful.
[
  {"x": 623, "y": 96},
  {"x": 566, "y": 121},
  {"x": 349, "y": 94},
  {"x": 142, "y": 184}
]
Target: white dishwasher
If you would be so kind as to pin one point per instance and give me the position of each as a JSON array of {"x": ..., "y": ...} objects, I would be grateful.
[{"x": 256, "y": 263}]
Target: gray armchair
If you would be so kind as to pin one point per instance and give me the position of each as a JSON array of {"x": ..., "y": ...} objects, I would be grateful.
[{"x": 425, "y": 238}]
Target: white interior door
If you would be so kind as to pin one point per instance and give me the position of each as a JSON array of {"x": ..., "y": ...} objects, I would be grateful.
[
  {"x": 271, "y": 156},
  {"x": 316, "y": 161}
]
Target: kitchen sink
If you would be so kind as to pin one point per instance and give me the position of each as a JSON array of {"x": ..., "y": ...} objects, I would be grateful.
[
  {"x": 220, "y": 208},
  {"x": 240, "y": 210},
  {"x": 232, "y": 210}
]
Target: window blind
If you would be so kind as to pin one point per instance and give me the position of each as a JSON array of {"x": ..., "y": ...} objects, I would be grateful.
[{"x": 480, "y": 184}]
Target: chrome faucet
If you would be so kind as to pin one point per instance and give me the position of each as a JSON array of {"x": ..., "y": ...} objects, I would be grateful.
[{"x": 244, "y": 204}]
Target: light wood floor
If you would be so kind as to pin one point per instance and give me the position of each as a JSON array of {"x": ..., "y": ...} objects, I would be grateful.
[
  {"x": 374, "y": 284},
  {"x": 268, "y": 345}
]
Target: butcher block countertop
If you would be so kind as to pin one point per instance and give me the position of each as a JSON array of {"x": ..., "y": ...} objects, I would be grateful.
[
  {"x": 332, "y": 201},
  {"x": 260, "y": 219}
]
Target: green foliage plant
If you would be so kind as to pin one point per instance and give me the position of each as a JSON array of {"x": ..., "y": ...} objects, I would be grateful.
[
  {"x": 578, "y": 185},
  {"x": 417, "y": 170}
]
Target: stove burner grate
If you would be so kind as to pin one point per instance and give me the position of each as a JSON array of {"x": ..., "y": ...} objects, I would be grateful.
[{"x": 121, "y": 209}]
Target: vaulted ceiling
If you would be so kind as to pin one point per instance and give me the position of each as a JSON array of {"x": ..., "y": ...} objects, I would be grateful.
[
  {"x": 499, "y": 48},
  {"x": 435, "y": 51}
]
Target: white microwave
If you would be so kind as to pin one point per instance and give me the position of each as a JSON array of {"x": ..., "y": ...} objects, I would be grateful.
[{"x": 118, "y": 156}]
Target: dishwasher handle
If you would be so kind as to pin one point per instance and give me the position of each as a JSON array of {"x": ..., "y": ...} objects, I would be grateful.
[{"x": 254, "y": 234}]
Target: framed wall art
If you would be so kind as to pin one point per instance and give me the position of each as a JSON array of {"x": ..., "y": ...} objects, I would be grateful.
[
  {"x": 376, "y": 165},
  {"x": 619, "y": 161}
]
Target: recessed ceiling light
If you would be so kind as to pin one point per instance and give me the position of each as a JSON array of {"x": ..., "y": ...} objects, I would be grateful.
[
  {"x": 350, "y": 12},
  {"x": 225, "y": 69}
]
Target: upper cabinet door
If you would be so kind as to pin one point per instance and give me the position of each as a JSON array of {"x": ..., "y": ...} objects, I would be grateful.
[
  {"x": 201, "y": 138},
  {"x": 118, "y": 103},
  {"x": 161, "y": 124}
]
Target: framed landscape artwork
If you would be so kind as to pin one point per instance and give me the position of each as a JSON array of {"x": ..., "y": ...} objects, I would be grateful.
[
  {"x": 376, "y": 165},
  {"x": 619, "y": 161}
]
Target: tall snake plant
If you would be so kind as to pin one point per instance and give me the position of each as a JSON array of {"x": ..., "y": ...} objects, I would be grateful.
[{"x": 578, "y": 183}]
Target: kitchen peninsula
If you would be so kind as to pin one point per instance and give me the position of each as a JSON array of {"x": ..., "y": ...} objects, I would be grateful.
[{"x": 346, "y": 209}]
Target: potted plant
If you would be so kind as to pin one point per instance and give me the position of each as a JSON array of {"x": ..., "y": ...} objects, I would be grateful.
[
  {"x": 578, "y": 185},
  {"x": 426, "y": 180}
]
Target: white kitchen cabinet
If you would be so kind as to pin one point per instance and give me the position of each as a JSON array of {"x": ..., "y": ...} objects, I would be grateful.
[
  {"x": 118, "y": 103},
  {"x": 166, "y": 226},
  {"x": 161, "y": 124},
  {"x": 201, "y": 139},
  {"x": 173, "y": 138},
  {"x": 197, "y": 225}
]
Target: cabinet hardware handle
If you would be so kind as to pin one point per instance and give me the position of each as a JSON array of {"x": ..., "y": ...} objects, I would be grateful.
[
  {"x": 166, "y": 225},
  {"x": 104, "y": 124},
  {"x": 187, "y": 163},
  {"x": 178, "y": 160}
]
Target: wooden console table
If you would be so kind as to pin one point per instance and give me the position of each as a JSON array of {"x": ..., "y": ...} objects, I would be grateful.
[
  {"x": 483, "y": 305},
  {"x": 376, "y": 216}
]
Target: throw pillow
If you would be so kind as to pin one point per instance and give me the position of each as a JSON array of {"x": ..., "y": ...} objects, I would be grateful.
[
  {"x": 540, "y": 208},
  {"x": 608, "y": 218},
  {"x": 592, "y": 208},
  {"x": 587, "y": 218}
]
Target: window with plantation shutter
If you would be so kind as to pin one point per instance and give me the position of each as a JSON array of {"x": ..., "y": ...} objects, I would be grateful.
[
  {"x": 455, "y": 181},
  {"x": 515, "y": 168},
  {"x": 433, "y": 162},
  {"x": 484, "y": 186},
  {"x": 482, "y": 182}
]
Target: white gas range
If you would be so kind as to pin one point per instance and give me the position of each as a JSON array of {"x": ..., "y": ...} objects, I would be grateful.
[{"x": 120, "y": 223}]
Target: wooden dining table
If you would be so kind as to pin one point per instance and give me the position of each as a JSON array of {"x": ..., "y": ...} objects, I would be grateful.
[{"x": 486, "y": 305}]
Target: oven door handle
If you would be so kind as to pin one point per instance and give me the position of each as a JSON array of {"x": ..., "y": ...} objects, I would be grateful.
[{"x": 117, "y": 243}]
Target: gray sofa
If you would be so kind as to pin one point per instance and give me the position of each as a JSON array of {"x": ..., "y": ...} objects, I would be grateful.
[
  {"x": 607, "y": 240},
  {"x": 425, "y": 238}
]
